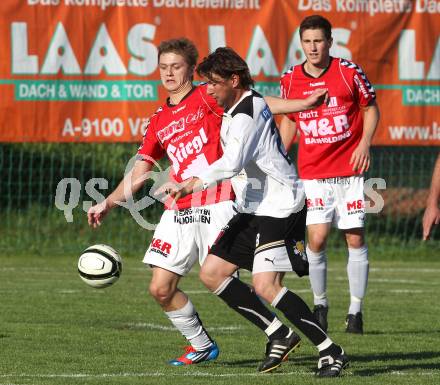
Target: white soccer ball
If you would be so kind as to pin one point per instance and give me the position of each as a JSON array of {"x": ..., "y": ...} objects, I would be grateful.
[{"x": 99, "y": 266}]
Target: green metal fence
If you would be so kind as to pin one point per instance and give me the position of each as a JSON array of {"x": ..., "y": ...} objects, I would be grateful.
[{"x": 30, "y": 174}]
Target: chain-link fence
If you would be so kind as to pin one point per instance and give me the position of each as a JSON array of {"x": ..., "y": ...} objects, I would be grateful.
[{"x": 31, "y": 222}]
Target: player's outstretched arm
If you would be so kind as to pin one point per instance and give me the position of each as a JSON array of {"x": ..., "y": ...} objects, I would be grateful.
[
  {"x": 131, "y": 183},
  {"x": 287, "y": 106},
  {"x": 360, "y": 159},
  {"x": 288, "y": 132},
  {"x": 431, "y": 216}
]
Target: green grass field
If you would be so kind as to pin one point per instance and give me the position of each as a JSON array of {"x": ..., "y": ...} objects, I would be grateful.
[{"x": 56, "y": 330}]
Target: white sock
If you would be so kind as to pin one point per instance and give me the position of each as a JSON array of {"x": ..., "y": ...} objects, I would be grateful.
[
  {"x": 187, "y": 321},
  {"x": 318, "y": 276},
  {"x": 273, "y": 327},
  {"x": 324, "y": 345},
  {"x": 357, "y": 270}
]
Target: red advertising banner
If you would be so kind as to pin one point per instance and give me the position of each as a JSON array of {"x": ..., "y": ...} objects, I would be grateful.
[{"x": 86, "y": 70}]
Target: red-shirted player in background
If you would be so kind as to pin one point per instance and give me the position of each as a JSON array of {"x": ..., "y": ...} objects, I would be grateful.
[
  {"x": 334, "y": 151},
  {"x": 186, "y": 129}
]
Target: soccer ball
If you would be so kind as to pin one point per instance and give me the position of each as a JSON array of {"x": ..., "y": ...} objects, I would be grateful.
[{"x": 99, "y": 266}]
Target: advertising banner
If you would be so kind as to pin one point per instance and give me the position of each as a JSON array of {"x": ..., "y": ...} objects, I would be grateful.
[{"x": 86, "y": 70}]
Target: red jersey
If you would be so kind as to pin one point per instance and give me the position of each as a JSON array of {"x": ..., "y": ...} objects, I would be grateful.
[
  {"x": 330, "y": 133},
  {"x": 189, "y": 134}
]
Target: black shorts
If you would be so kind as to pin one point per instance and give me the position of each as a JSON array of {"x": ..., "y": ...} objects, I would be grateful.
[{"x": 263, "y": 243}]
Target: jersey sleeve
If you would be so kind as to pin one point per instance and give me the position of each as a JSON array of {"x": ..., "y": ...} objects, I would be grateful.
[
  {"x": 363, "y": 90},
  {"x": 150, "y": 149},
  {"x": 284, "y": 90},
  {"x": 238, "y": 151}
]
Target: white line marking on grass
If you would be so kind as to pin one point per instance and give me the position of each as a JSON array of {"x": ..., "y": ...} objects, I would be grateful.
[
  {"x": 172, "y": 328},
  {"x": 208, "y": 292},
  {"x": 9, "y": 383},
  {"x": 244, "y": 273},
  {"x": 380, "y": 270},
  {"x": 410, "y": 281},
  {"x": 153, "y": 374},
  {"x": 404, "y": 270},
  {"x": 302, "y": 291},
  {"x": 401, "y": 291},
  {"x": 397, "y": 373},
  {"x": 38, "y": 270},
  {"x": 197, "y": 374},
  {"x": 392, "y": 280}
]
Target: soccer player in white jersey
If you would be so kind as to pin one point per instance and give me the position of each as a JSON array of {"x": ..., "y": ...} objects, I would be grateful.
[
  {"x": 334, "y": 151},
  {"x": 187, "y": 130},
  {"x": 267, "y": 235}
]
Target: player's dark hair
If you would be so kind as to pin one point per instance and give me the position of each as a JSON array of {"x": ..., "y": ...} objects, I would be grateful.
[
  {"x": 316, "y": 22},
  {"x": 181, "y": 46},
  {"x": 225, "y": 62}
]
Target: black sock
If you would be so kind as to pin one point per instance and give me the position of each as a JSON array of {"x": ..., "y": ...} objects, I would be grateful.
[
  {"x": 243, "y": 300},
  {"x": 297, "y": 312},
  {"x": 332, "y": 350}
]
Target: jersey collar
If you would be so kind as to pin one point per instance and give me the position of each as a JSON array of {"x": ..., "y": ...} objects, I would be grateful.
[
  {"x": 245, "y": 94},
  {"x": 169, "y": 104},
  {"x": 322, "y": 73}
]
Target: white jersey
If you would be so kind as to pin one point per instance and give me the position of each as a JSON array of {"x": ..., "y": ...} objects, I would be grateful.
[{"x": 264, "y": 179}]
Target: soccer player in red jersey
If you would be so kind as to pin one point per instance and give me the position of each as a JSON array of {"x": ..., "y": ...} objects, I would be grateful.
[
  {"x": 187, "y": 130},
  {"x": 334, "y": 151}
]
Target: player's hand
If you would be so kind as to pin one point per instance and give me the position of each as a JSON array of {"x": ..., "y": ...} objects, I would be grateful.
[
  {"x": 430, "y": 218},
  {"x": 318, "y": 97},
  {"x": 177, "y": 191},
  {"x": 360, "y": 159},
  {"x": 169, "y": 189},
  {"x": 97, "y": 212}
]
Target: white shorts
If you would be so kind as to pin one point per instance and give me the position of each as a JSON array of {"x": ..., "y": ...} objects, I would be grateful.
[
  {"x": 184, "y": 236},
  {"x": 338, "y": 200}
]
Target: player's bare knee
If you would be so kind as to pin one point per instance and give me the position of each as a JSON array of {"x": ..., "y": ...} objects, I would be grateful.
[
  {"x": 259, "y": 289},
  {"x": 355, "y": 240},
  {"x": 212, "y": 275},
  {"x": 208, "y": 277},
  {"x": 355, "y": 243},
  {"x": 264, "y": 289},
  {"x": 203, "y": 275},
  {"x": 161, "y": 293},
  {"x": 316, "y": 242}
]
